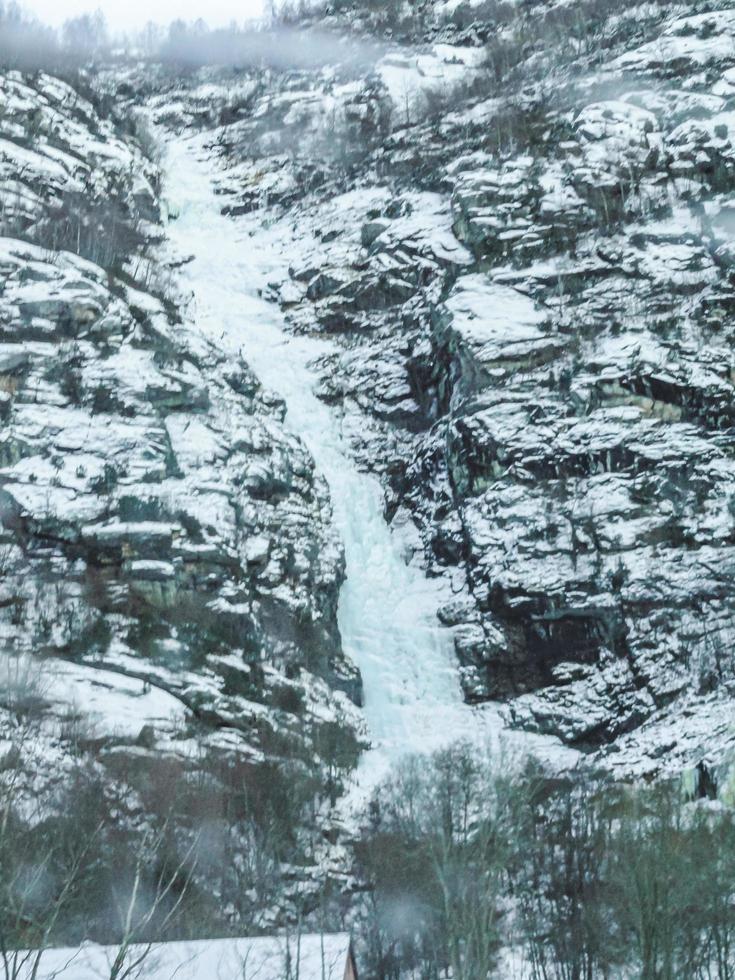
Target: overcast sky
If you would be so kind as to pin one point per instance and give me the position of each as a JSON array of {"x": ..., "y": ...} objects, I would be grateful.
[{"x": 126, "y": 14}]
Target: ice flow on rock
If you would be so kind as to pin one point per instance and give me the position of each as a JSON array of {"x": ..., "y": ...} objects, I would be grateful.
[{"x": 387, "y": 609}]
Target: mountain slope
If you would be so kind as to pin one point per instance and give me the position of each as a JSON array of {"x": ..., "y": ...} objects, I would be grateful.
[
  {"x": 170, "y": 570},
  {"x": 481, "y": 253},
  {"x": 517, "y": 232}
]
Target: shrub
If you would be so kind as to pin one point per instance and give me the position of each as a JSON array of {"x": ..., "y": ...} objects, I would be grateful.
[{"x": 101, "y": 228}]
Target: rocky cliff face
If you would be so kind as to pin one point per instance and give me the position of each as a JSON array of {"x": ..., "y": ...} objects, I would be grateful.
[
  {"x": 514, "y": 223},
  {"x": 517, "y": 224},
  {"x": 170, "y": 573}
]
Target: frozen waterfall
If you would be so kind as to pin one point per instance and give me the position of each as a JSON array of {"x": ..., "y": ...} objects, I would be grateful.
[{"x": 387, "y": 609}]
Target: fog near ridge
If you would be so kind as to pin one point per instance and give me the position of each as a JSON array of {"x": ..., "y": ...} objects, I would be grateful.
[
  {"x": 27, "y": 43},
  {"x": 275, "y": 46}
]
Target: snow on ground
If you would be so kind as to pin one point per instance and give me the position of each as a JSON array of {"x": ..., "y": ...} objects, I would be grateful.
[
  {"x": 111, "y": 700},
  {"x": 693, "y": 42},
  {"x": 313, "y": 957},
  {"x": 411, "y": 78},
  {"x": 387, "y": 612},
  {"x": 487, "y": 313}
]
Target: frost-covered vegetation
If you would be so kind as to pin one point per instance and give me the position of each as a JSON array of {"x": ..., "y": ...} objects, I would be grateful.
[
  {"x": 28, "y": 45},
  {"x": 468, "y": 862},
  {"x": 25, "y": 43},
  {"x": 120, "y": 845},
  {"x": 70, "y": 182}
]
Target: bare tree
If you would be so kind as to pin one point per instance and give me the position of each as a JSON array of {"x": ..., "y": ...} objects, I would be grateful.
[
  {"x": 560, "y": 883},
  {"x": 86, "y": 35},
  {"x": 141, "y": 908},
  {"x": 443, "y": 836},
  {"x": 39, "y": 872}
]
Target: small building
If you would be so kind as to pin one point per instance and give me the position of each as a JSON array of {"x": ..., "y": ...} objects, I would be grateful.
[{"x": 284, "y": 957}]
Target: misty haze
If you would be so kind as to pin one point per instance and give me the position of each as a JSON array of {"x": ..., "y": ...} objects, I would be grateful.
[{"x": 367, "y": 491}]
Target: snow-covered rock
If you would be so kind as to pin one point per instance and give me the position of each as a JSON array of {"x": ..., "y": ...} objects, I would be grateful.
[
  {"x": 530, "y": 290},
  {"x": 168, "y": 546}
]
